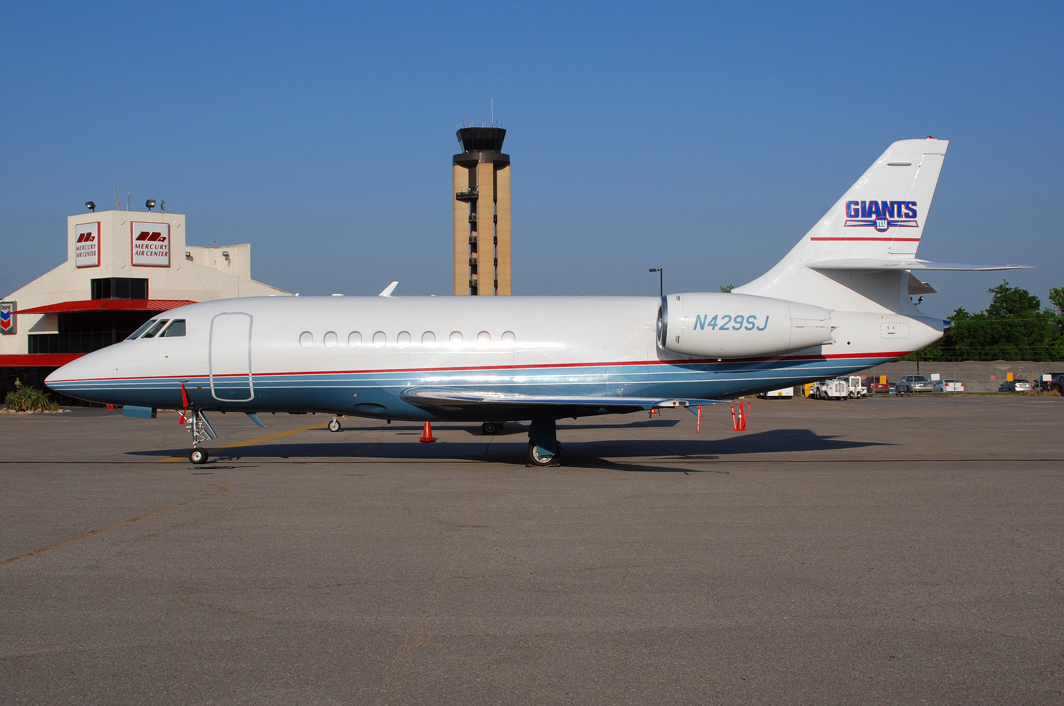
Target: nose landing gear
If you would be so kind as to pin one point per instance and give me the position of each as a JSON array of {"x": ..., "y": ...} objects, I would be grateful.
[
  {"x": 201, "y": 431},
  {"x": 334, "y": 425}
]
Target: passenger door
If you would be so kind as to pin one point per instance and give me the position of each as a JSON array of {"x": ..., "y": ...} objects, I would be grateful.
[{"x": 230, "y": 357}]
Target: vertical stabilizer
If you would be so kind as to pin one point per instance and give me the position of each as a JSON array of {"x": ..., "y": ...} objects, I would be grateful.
[{"x": 880, "y": 217}]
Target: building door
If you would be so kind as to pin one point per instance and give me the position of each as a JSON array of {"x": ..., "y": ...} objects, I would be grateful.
[{"x": 230, "y": 356}]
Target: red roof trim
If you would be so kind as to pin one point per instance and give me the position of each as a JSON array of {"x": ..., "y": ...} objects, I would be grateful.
[
  {"x": 107, "y": 305},
  {"x": 37, "y": 360}
]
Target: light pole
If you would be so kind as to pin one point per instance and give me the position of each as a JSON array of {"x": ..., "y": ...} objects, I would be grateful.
[{"x": 661, "y": 280}]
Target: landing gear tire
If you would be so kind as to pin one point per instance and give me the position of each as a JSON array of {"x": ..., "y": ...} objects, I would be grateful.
[
  {"x": 542, "y": 458},
  {"x": 334, "y": 425},
  {"x": 489, "y": 428},
  {"x": 198, "y": 456}
]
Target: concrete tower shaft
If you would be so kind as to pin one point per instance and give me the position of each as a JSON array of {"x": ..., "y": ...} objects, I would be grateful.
[{"x": 481, "y": 213}]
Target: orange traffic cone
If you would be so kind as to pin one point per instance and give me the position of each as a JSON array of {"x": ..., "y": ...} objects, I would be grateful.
[
  {"x": 426, "y": 436},
  {"x": 739, "y": 419}
]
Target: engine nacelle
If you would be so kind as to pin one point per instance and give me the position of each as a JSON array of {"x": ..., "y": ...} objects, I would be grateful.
[{"x": 712, "y": 325}]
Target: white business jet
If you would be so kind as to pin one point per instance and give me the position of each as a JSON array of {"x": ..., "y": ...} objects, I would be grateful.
[{"x": 838, "y": 302}]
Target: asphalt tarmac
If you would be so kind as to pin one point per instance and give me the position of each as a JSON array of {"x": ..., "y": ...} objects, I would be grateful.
[{"x": 886, "y": 551}]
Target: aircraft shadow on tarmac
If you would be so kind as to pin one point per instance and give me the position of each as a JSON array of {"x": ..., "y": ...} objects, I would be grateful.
[{"x": 510, "y": 448}]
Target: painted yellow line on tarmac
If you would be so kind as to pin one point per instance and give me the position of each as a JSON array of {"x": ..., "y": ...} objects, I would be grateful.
[
  {"x": 222, "y": 490},
  {"x": 261, "y": 439}
]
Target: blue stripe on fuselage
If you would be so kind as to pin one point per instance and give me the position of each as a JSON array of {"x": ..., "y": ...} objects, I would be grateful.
[{"x": 377, "y": 393}]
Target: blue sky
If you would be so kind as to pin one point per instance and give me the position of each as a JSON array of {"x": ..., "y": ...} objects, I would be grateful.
[{"x": 702, "y": 138}]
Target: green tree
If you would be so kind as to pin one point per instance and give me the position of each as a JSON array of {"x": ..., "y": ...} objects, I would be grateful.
[
  {"x": 1012, "y": 302},
  {"x": 1013, "y": 327},
  {"x": 726, "y": 288},
  {"x": 1056, "y": 296}
]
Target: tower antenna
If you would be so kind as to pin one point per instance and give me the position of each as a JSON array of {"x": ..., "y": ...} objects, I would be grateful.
[
  {"x": 492, "y": 112},
  {"x": 117, "y": 207}
]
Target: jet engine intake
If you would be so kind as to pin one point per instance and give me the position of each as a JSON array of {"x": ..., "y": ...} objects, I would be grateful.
[{"x": 712, "y": 325}]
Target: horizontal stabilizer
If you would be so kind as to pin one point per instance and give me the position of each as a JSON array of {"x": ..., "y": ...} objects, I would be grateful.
[
  {"x": 472, "y": 399},
  {"x": 907, "y": 264}
]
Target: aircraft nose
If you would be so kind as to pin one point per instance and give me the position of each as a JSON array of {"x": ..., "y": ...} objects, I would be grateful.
[{"x": 85, "y": 377}]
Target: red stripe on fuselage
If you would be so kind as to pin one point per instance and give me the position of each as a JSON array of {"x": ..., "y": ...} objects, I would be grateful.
[
  {"x": 541, "y": 366},
  {"x": 886, "y": 240}
]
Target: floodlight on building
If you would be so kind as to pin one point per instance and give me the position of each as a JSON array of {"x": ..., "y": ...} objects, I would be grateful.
[
  {"x": 661, "y": 280},
  {"x": 150, "y": 203},
  {"x": 91, "y": 205},
  {"x": 225, "y": 254},
  {"x": 162, "y": 206}
]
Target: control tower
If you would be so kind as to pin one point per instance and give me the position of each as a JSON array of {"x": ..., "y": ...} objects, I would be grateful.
[{"x": 481, "y": 213}]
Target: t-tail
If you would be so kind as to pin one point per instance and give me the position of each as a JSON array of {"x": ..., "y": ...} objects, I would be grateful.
[{"x": 860, "y": 255}]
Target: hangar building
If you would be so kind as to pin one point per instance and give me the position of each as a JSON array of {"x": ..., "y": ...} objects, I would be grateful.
[{"x": 122, "y": 268}]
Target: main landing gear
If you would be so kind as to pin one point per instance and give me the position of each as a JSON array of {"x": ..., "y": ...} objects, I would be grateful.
[
  {"x": 201, "y": 431},
  {"x": 490, "y": 428},
  {"x": 543, "y": 447},
  {"x": 541, "y": 457}
]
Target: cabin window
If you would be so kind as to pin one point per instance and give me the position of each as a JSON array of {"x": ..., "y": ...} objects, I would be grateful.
[
  {"x": 456, "y": 337},
  {"x": 330, "y": 339},
  {"x": 354, "y": 339},
  {"x": 508, "y": 337},
  {"x": 147, "y": 325},
  {"x": 176, "y": 328},
  {"x": 483, "y": 337},
  {"x": 306, "y": 339},
  {"x": 379, "y": 339},
  {"x": 403, "y": 339},
  {"x": 150, "y": 333},
  {"x": 428, "y": 338}
]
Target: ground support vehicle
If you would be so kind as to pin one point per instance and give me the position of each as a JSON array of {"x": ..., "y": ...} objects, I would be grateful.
[
  {"x": 786, "y": 392},
  {"x": 835, "y": 389},
  {"x": 857, "y": 388}
]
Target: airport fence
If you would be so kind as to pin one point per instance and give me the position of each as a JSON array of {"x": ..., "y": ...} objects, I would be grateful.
[{"x": 977, "y": 376}]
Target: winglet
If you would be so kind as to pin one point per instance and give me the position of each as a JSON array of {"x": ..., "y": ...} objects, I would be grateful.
[{"x": 389, "y": 289}]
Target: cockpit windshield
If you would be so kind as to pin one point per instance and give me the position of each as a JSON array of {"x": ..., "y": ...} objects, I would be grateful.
[
  {"x": 150, "y": 333},
  {"x": 176, "y": 328},
  {"x": 144, "y": 327}
]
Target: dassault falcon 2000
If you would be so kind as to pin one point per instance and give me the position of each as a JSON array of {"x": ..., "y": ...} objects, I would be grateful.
[{"x": 837, "y": 303}]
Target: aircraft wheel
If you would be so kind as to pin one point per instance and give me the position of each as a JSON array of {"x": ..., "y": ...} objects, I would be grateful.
[
  {"x": 334, "y": 425},
  {"x": 198, "y": 456},
  {"x": 489, "y": 428},
  {"x": 539, "y": 457}
]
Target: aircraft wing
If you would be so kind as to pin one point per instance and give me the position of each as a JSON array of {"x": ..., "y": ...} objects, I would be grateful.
[
  {"x": 468, "y": 400},
  {"x": 907, "y": 264}
]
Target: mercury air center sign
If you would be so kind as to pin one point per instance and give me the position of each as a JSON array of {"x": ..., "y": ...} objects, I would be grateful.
[
  {"x": 87, "y": 247},
  {"x": 151, "y": 244}
]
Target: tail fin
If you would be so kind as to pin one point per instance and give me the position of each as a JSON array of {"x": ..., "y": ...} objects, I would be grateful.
[{"x": 880, "y": 217}]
